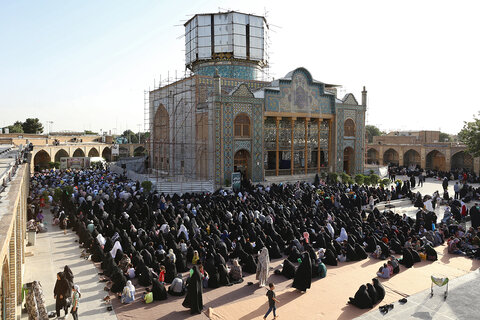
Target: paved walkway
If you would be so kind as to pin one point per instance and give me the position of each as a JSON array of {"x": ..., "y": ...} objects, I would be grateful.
[
  {"x": 52, "y": 251},
  {"x": 461, "y": 303}
]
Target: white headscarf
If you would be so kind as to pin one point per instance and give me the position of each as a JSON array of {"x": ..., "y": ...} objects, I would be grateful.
[
  {"x": 116, "y": 246},
  {"x": 330, "y": 229},
  {"x": 343, "y": 235}
]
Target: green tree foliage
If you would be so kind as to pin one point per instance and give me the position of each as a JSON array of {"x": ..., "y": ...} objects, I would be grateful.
[
  {"x": 32, "y": 125},
  {"x": 444, "y": 137},
  {"x": 17, "y": 127},
  {"x": 374, "y": 179},
  {"x": 359, "y": 178},
  {"x": 385, "y": 182},
  {"x": 131, "y": 136},
  {"x": 372, "y": 131},
  {"x": 332, "y": 177},
  {"x": 89, "y": 132},
  {"x": 470, "y": 136},
  {"x": 147, "y": 186}
]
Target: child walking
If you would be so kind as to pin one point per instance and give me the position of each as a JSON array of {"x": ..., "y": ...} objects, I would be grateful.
[
  {"x": 271, "y": 301},
  {"x": 75, "y": 297}
]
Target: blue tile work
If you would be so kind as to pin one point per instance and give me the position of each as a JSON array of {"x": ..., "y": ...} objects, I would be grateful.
[
  {"x": 227, "y": 141},
  {"x": 340, "y": 131},
  {"x": 241, "y": 101},
  {"x": 229, "y": 71},
  {"x": 357, "y": 114},
  {"x": 300, "y": 94},
  {"x": 218, "y": 147},
  {"x": 243, "y": 144},
  {"x": 257, "y": 152}
]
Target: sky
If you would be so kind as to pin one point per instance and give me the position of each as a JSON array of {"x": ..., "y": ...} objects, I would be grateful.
[{"x": 85, "y": 65}]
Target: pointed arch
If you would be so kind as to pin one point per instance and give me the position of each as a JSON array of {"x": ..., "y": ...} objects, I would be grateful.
[
  {"x": 60, "y": 154},
  {"x": 107, "y": 154},
  {"x": 78, "y": 153},
  {"x": 349, "y": 128},
  {"x": 41, "y": 159},
  {"x": 435, "y": 160},
  {"x": 139, "y": 151},
  {"x": 349, "y": 160},
  {"x": 161, "y": 138},
  {"x": 390, "y": 157},
  {"x": 93, "y": 152},
  {"x": 462, "y": 160},
  {"x": 372, "y": 156},
  {"x": 411, "y": 158}
]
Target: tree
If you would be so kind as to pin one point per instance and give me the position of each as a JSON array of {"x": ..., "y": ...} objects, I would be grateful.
[
  {"x": 89, "y": 132},
  {"x": 470, "y": 136},
  {"x": 17, "y": 127},
  {"x": 32, "y": 125},
  {"x": 130, "y": 136},
  {"x": 372, "y": 131},
  {"x": 444, "y": 137},
  {"x": 359, "y": 178}
]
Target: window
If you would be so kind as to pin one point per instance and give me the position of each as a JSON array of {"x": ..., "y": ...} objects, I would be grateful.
[
  {"x": 242, "y": 126},
  {"x": 349, "y": 128}
]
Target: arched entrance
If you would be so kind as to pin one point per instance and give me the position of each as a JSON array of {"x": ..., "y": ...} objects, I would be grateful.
[
  {"x": 123, "y": 152},
  {"x": 348, "y": 160},
  {"x": 161, "y": 139},
  {"x": 78, "y": 153},
  {"x": 435, "y": 161},
  {"x": 241, "y": 163},
  {"x": 107, "y": 154},
  {"x": 390, "y": 157},
  {"x": 462, "y": 160},
  {"x": 41, "y": 160},
  {"x": 93, "y": 152},
  {"x": 60, "y": 154},
  {"x": 372, "y": 156},
  {"x": 411, "y": 158},
  {"x": 139, "y": 151}
]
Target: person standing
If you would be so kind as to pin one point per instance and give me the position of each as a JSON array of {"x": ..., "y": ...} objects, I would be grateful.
[
  {"x": 457, "y": 188},
  {"x": 60, "y": 293},
  {"x": 271, "y": 301},
  {"x": 445, "y": 184},
  {"x": 75, "y": 301},
  {"x": 263, "y": 267}
]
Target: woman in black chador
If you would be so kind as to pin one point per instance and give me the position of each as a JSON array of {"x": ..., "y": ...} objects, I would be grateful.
[
  {"x": 193, "y": 299},
  {"x": 303, "y": 275}
]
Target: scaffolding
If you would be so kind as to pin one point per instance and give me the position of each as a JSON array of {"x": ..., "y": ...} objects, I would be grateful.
[{"x": 180, "y": 121}]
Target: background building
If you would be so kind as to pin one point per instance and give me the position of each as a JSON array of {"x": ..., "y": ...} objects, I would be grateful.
[
  {"x": 422, "y": 148},
  {"x": 222, "y": 118}
]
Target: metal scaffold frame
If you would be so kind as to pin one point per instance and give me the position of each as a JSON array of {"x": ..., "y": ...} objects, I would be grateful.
[{"x": 180, "y": 146}]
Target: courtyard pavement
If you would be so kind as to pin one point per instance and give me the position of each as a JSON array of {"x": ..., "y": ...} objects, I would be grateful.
[
  {"x": 326, "y": 299},
  {"x": 52, "y": 251}
]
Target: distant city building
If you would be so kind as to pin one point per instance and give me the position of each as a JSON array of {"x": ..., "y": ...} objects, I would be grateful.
[
  {"x": 420, "y": 148},
  {"x": 222, "y": 119}
]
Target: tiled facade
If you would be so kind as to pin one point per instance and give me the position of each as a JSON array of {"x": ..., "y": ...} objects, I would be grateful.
[
  {"x": 298, "y": 99},
  {"x": 228, "y": 70}
]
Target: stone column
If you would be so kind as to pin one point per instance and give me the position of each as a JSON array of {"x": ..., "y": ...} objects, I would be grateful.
[
  {"x": 331, "y": 153},
  {"x": 423, "y": 158},
  {"x": 306, "y": 144},
  {"x": 448, "y": 158},
  {"x": 277, "y": 155},
  {"x": 318, "y": 144},
  {"x": 291, "y": 144},
  {"x": 401, "y": 161}
]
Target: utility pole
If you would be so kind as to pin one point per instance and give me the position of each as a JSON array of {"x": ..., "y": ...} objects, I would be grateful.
[
  {"x": 49, "y": 126},
  {"x": 139, "y": 125}
]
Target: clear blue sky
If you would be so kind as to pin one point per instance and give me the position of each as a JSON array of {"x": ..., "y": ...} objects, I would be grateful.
[{"x": 85, "y": 64}]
